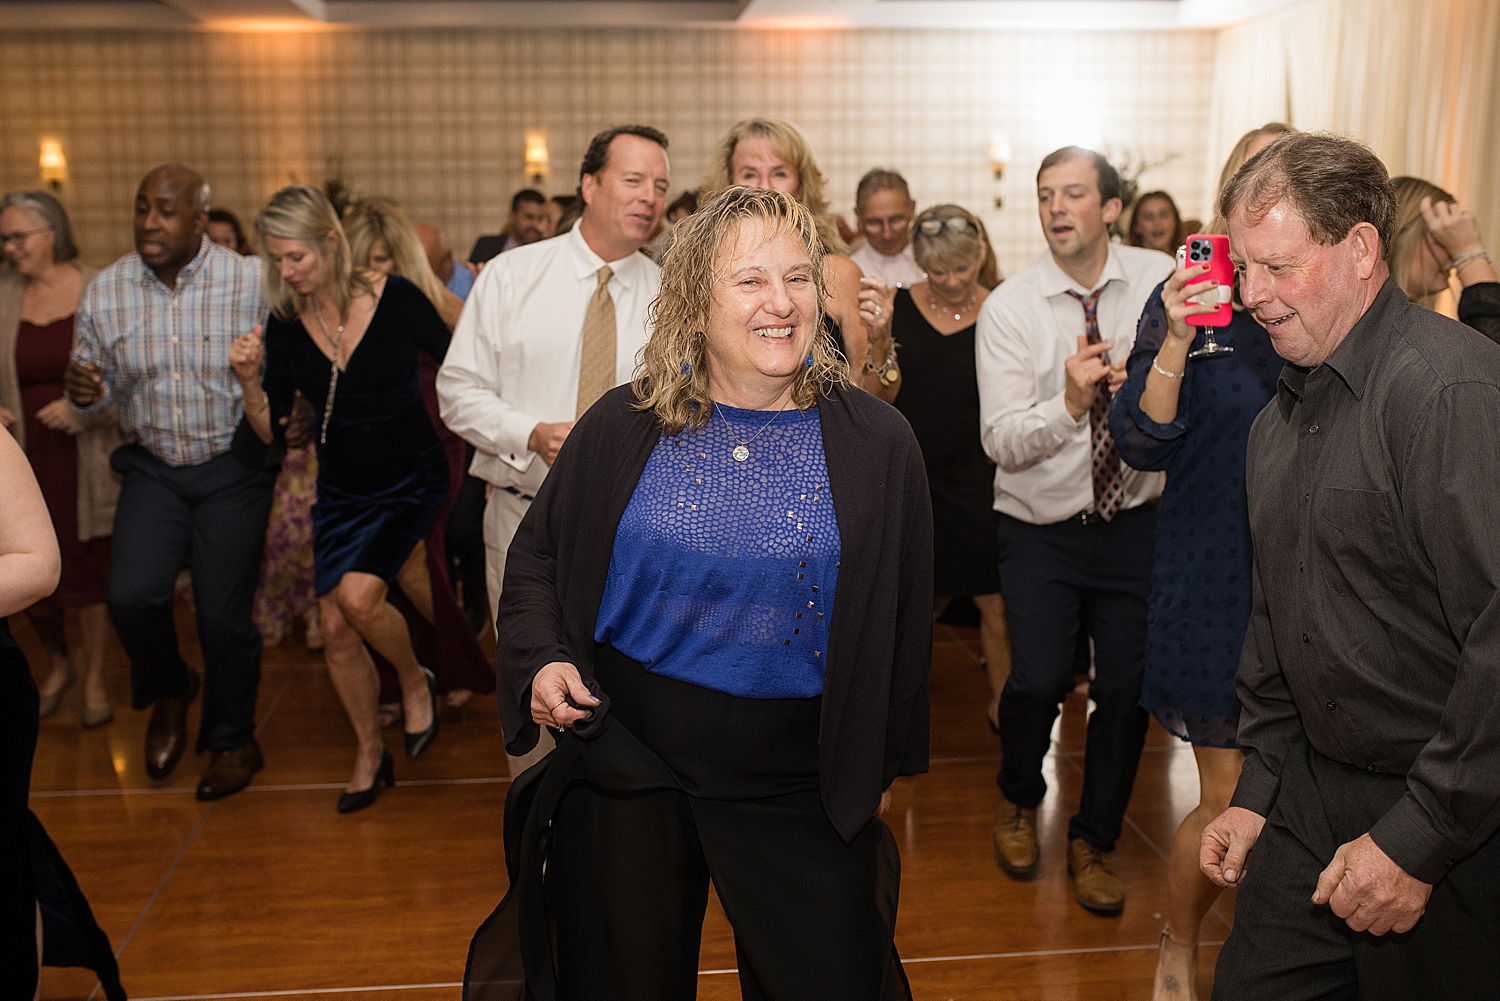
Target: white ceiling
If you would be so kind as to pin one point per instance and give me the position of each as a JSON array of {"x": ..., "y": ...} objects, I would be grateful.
[{"x": 332, "y": 14}]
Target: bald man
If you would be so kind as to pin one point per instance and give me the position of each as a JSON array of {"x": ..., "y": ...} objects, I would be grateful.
[
  {"x": 153, "y": 336},
  {"x": 458, "y": 277}
]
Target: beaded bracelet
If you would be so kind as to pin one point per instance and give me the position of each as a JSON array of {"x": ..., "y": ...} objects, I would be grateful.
[
  {"x": 1463, "y": 260},
  {"x": 1169, "y": 375}
]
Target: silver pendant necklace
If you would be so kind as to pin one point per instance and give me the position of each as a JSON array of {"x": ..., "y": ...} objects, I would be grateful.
[
  {"x": 333, "y": 374},
  {"x": 742, "y": 448},
  {"x": 932, "y": 304}
]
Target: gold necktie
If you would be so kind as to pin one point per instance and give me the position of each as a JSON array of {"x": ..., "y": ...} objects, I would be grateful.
[{"x": 596, "y": 368}]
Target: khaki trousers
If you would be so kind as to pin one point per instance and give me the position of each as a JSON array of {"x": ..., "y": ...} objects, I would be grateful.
[{"x": 502, "y": 516}]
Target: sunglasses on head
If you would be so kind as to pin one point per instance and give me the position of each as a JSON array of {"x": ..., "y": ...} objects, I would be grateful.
[{"x": 953, "y": 224}]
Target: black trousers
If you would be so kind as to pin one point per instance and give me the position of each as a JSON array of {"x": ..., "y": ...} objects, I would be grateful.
[
  {"x": 211, "y": 516},
  {"x": 628, "y": 873},
  {"x": 1285, "y": 947},
  {"x": 1056, "y": 579}
]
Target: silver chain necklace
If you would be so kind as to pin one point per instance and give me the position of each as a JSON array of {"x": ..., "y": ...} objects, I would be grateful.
[
  {"x": 742, "y": 448},
  {"x": 333, "y": 374},
  {"x": 932, "y": 304}
]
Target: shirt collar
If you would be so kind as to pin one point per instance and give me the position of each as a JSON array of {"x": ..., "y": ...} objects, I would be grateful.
[
  {"x": 188, "y": 270},
  {"x": 586, "y": 263},
  {"x": 1365, "y": 343},
  {"x": 1354, "y": 359},
  {"x": 1055, "y": 281}
]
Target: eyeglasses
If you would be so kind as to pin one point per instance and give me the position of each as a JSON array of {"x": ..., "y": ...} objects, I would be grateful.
[
  {"x": 7, "y": 239},
  {"x": 954, "y": 224}
]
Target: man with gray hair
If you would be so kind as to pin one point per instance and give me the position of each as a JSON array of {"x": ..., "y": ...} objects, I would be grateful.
[
  {"x": 153, "y": 336},
  {"x": 885, "y": 209},
  {"x": 1370, "y": 793}
]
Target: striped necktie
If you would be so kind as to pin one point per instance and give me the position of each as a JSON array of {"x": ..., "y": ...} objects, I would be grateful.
[
  {"x": 1104, "y": 463},
  {"x": 596, "y": 366}
]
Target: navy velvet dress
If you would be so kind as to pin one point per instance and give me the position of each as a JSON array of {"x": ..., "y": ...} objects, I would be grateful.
[
  {"x": 1199, "y": 605},
  {"x": 382, "y": 473}
]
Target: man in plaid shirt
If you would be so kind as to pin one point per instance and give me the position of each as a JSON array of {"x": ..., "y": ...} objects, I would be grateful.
[{"x": 153, "y": 336}]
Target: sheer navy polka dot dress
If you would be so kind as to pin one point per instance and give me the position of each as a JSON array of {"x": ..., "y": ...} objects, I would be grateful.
[{"x": 1200, "y": 584}]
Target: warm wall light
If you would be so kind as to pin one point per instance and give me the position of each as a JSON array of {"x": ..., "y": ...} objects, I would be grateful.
[
  {"x": 53, "y": 164},
  {"x": 536, "y": 157},
  {"x": 999, "y": 157}
]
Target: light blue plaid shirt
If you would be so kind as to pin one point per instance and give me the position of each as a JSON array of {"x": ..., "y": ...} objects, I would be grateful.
[{"x": 165, "y": 352}]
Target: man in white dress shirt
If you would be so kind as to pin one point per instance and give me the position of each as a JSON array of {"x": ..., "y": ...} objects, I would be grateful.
[
  {"x": 1076, "y": 525},
  {"x": 884, "y": 207},
  {"x": 549, "y": 328}
]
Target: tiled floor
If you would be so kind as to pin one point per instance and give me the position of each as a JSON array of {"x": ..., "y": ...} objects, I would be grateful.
[{"x": 271, "y": 893}]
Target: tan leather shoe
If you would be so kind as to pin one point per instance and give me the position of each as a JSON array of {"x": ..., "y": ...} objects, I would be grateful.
[
  {"x": 166, "y": 734},
  {"x": 230, "y": 771},
  {"x": 1095, "y": 885},
  {"x": 1015, "y": 840}
]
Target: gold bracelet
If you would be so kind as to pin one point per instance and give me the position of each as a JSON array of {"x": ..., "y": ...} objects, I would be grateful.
[
  {"x": 887, "y": 373},
  {"x": 265, "y": 404}
]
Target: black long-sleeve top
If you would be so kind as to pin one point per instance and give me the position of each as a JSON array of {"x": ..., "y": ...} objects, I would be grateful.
[
  {"x": 1479, "y": 307},
  {"x": 1374, "y": 500},
  {"x": 875, "y": 697},
  {"x": 379, "y": 424}
]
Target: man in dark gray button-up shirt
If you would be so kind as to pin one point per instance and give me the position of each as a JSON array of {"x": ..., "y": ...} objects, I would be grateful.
[{"x": 1371, "y": 726}]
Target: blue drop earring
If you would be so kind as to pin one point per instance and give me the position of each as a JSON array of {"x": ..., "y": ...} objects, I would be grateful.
[{"x": 809, "y": 362}]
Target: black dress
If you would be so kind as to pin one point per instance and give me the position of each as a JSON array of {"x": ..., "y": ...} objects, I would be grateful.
[
  {"x": 382, "y": 473},
  {"x": 940, "y": 399}
]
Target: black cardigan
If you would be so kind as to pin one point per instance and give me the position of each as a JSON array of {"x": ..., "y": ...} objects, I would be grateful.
[{"x": 875, "y": 698}]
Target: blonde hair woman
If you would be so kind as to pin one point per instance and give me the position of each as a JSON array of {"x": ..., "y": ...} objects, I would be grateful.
[
  {"x": 382, "y": 239},
  {"x": 1434, "y": 236},
  {"x": 933, "y": 325},
  {"x": 348, "y": 339},
  {"x": 1191, "y": 417},
  {"x": 771, "y": 154},
  {"x": 676, "y": 580}
]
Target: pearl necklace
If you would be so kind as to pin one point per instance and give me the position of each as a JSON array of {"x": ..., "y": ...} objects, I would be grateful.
[{"x": 932, "y": 304}]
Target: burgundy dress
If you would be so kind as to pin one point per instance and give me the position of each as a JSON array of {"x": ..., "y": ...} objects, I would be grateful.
[{"x": 41, "y": 356}]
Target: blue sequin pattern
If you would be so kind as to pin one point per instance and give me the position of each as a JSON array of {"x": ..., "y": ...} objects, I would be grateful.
[{"x": 723, "y": 572}]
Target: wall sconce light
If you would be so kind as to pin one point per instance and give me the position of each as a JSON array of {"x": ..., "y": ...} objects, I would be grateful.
[
  {"x": 999, "y": 157},
  {"x": 536, "y": 157},
  {"x": 53, "y": 164}
]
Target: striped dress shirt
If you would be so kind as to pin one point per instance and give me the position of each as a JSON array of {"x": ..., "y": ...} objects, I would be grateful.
[{"x": 164, "y": 352}]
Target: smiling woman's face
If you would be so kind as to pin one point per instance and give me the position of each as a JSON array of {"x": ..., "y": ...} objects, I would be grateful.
[{"x": 761, "y": 321}]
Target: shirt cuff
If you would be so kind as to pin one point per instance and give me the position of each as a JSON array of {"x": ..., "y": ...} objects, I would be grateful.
[
  {"x": 1257, "y": 788},
  {"x": 1061, "y": 423},
  {"x": 1407, "y": 837},
  {"x": 1161, "y": 432},
  {"x": 512, "y": 438}
]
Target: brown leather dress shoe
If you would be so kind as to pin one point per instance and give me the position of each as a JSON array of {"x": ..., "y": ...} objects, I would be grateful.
[
  {"x": 230, "y": 771},
  {"x": 1095, "y": 885},
  {"x": 166, "y": 734},
  {"x": 1015, "y": 840}
]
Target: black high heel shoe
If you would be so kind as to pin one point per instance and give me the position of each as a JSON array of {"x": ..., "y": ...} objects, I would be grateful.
[
  {"x": 352, "y": 801},
  {"x": 416, "y": 743}
]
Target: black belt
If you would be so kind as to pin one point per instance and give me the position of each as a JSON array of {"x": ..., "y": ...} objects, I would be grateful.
[{"x": 524, "y": 497}]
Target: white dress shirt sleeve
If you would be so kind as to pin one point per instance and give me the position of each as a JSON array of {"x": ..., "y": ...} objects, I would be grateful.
[
  {"x": 470, "y": 396},
  {"x": 1017, "y": 428}
]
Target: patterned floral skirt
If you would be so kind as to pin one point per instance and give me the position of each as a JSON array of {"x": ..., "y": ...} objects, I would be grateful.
[{"x": 286, "y": 571}]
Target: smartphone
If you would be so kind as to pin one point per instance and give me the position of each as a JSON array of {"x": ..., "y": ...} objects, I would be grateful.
[{"x": 1211, "y": 249}]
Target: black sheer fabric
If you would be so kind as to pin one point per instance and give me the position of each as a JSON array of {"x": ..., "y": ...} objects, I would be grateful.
[
  {"x": 36, "y": 872},
  {"x": 1479, "y": 307}
]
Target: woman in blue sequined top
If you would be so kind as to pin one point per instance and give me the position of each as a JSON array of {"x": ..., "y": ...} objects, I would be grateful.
[
  {"x": 721, "y": 601},
  {"x": 1191, "y": 416}
]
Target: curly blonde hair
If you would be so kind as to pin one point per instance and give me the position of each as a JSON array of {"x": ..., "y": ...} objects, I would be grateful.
[
  {"x": 788, "y": 142},
  {"x": 672, "y": 378}
]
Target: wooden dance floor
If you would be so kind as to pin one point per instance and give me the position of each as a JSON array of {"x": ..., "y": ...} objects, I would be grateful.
[{"x": 270, "y": 893}]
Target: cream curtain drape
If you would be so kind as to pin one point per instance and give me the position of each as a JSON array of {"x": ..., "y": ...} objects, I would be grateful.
[{"x": 1418, "y": 80}]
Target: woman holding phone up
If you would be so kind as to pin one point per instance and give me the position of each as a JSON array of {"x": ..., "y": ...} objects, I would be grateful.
[{"x": 1191, "y": 416}]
